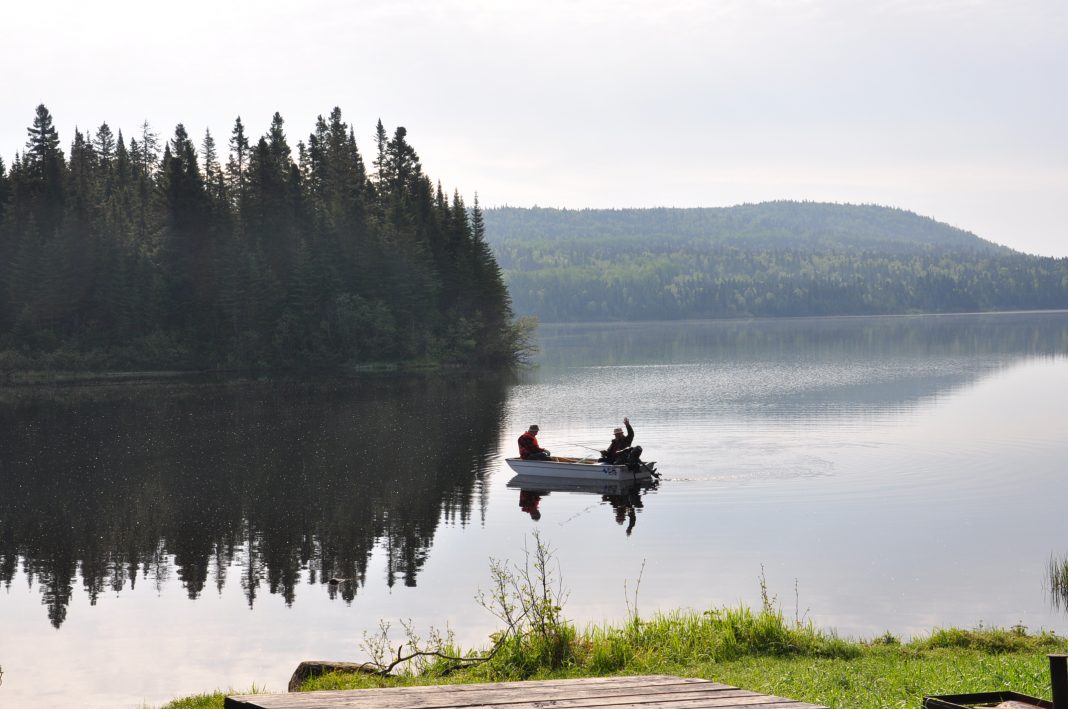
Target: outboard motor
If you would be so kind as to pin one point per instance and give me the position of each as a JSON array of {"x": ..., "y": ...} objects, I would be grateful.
[{"x": 634, "y": 459}]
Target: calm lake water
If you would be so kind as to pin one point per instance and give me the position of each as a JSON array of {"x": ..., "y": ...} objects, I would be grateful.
[{"x": 883, "y": 474}]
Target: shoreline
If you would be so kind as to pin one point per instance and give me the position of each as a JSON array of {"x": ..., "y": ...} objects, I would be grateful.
[{"x": 761, "y": 651}]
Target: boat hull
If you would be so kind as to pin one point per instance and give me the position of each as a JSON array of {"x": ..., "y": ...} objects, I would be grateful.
[
  {"x": 612, "y": 488},
  {"x": 574, "y": 469}
]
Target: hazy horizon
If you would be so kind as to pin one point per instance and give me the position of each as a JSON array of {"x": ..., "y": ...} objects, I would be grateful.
[{"x": 947, "y": 109}]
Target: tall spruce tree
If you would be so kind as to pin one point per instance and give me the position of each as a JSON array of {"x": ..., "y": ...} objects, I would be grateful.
[
  {"x": 82, "y": 189},
  {"x": 148, "y": 156},
  {"x": 381, "y": 141},
  {"x": 104, "y": 145},
  {"x": 144, "y": 158},
  {"x": 237, "y": 165},
  {"x": 44, "y": 173},
  {"x": 5, "y": 190},
  {"x": 269, "y": 217},
  {"x": 187, "y": 250},
  {"x": 214, "y": 180},
  {"x": 119, "y": 209}
]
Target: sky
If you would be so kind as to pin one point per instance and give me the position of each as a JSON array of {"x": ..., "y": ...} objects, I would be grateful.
[{"x": 953, "y": 109}]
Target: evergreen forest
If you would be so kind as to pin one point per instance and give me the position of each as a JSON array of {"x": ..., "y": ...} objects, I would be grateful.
[
  {"x": 754, "y": 260},
  {"x": 137, "y": 251}
]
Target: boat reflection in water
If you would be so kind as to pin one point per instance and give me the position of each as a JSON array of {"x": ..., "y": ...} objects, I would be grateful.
[{"x": 624, "y": 497}]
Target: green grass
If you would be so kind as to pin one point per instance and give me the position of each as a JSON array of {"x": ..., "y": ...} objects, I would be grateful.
[
  {"x": 200, "y": 701},
  {"x": 886, "y": 676},
  {"x": 213, "y": 700},
  {"x": 763, "y": 652},
  {"x": 759, "y": 651}
]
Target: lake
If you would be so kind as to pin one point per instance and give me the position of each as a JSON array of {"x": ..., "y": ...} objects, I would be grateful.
[{"x": 882, "y": 474}]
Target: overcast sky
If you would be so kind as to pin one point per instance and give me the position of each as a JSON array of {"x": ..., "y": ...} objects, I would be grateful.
[{"x": 955, "y": 109}]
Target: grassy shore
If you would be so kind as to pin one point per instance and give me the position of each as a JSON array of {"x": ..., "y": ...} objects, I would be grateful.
[{"x": 760, "y": 651}]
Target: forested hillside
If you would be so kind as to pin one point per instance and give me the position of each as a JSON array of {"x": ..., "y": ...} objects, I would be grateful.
[
  {"x": 151, "y": 253},
  {"x": 771, "y": 259}
]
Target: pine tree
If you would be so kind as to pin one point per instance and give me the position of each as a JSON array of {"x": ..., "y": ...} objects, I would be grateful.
[
  {"x": 7, "y": 245},
  {"x": 118, "y": 207},
  {"x": 451, "y": 250},
  {"x": 148, "y": 156},
  {"x": 237, "y": 165},
  {"x": 144, "y": 159},
  {"x": 214, "y": 179},
  {"x": 104, "y": 145},
  {"x": 104, "y": 148},
  {"x": 491, "y": 295},
  {"x": 381, "y": 140},
  {"x": 273, "y": 197},
  {"x": 478, "y": 222},
  {"x": 43, "y": 144},
  {"x": 45, "y": 170},
  {"x": 276, "y": 140},
  {"x": 5, "y": 191},
  {"x": 82, "y": 191},
  {"x": 344, "y": 193},
  {"x": 122, "y": 174},
  {"x": 402, "y": 168},
  {"x": 188, "y": 248}
]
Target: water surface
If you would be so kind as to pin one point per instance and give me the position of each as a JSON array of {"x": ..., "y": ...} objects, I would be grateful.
[{"x": 884, "y": 473}]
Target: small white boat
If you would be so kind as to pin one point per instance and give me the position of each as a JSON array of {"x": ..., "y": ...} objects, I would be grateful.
[{"x": 560, "y": 466}]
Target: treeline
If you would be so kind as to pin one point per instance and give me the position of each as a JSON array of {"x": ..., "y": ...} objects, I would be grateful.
[
  {"x": 775, "y": 259},
  {"x": 152, "y": 253}
]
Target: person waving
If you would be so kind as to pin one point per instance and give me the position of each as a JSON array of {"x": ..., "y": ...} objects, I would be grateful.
[{"x": 618, "y": 447}]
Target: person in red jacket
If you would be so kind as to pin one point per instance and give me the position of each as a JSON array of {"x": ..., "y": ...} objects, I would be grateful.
[{"x": 528, "y": 445}]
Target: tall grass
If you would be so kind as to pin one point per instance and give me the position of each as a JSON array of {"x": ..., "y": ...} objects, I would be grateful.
[
  {"x": 1057, "y": 577},
  {"x": 760, "y": 650}
]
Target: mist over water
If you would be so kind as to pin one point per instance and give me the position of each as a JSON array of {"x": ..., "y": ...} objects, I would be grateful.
[{"x": 903, "y": 472}]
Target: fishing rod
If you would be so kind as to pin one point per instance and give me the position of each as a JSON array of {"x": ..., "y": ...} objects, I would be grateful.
[{"x": 580, "y": 445}]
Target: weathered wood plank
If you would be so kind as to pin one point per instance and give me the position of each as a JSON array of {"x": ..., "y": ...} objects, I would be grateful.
[
  {"x": 624, "y": 680},
  {"x": 725, "y": 699},
  {"x": 539, "y": 701},
  {"x": 442, "y": 697},
  {"x": 758, "y": 701},
  {"x": 636, "y": 692}
]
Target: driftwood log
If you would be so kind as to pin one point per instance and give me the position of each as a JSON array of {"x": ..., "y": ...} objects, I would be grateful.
[{"x": 315, "y": 668}]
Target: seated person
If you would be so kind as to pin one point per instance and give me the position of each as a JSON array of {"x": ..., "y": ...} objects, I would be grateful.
[
  {"x": 619, "y": 451},
  {"x": 619, "y": 443},
  {"x": 528, "y": 445}
]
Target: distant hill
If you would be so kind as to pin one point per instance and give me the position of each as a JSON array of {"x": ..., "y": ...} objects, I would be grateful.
[{"x": 769, "y": 259}]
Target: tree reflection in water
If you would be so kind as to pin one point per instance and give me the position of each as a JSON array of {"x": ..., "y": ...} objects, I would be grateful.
[{"x": 284, "y": 481}]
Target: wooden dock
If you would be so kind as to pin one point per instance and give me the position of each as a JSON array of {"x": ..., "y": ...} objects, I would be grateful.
[{"x": 645, "y": 692}]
